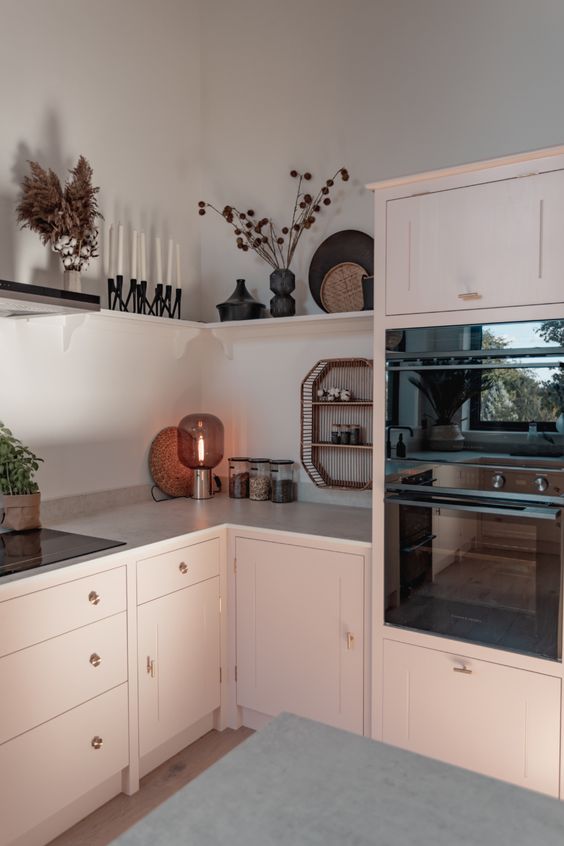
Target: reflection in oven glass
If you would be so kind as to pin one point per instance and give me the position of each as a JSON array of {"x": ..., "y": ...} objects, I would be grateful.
[{"x": 484, "y": 578}]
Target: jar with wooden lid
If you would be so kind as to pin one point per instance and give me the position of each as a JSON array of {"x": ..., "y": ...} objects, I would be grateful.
[
  {"x": 282, "y": 479},
  {"x": 259, "y": 479}
]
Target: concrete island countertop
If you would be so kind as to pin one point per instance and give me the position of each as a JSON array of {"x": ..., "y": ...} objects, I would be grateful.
[
  {"x": 301, "y": 783},
  {"x": 143, "y": 523}
]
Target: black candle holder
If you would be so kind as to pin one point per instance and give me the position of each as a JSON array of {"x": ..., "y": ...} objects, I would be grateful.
[{"x": 137, "y": 300}]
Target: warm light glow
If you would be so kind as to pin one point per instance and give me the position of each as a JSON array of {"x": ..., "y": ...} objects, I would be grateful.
[{"x": 201, "y": 449}]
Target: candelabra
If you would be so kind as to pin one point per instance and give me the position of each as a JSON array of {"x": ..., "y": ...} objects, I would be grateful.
[{"x": 137, "y": 300}]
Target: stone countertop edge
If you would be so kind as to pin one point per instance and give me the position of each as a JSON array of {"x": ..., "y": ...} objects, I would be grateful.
[
  {"x": 301, "y": 783},
  {"x": 142, "y": 524}
]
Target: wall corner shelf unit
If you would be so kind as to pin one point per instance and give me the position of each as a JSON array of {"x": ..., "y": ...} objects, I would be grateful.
[{"x": 338, "y": 465}]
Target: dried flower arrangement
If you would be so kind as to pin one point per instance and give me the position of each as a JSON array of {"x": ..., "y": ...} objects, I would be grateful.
[
  {"x": 334, "y": 395},
  {"x": 64, "y": 217},
  {"x": 277, "y": 247}
]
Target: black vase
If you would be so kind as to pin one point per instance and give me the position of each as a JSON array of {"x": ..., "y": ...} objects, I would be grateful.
[
  {"x": 241, "y": 305},
  {"x": 282, "y": 283}
]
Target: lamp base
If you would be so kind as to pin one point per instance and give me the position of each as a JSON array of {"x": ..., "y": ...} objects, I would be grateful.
[{"x": 202, "y": 484}]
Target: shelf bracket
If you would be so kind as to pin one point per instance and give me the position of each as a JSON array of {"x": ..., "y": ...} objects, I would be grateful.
[
  {"x": 226, "y": 343},
  {"x": 69, "y": 324},
  {"x": 182, "y": 339}
]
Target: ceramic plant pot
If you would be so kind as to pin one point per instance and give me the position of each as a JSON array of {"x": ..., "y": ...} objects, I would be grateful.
[
  {"x": 282, "y": 283},
  {"x": 447, "y": 438},
  {"x": 21, "y": 512}
]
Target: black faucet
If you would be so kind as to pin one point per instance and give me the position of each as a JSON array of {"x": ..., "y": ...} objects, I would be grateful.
[{"x": 389, "y": 430}]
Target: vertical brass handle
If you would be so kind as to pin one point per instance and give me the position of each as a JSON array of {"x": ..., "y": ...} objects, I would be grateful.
[
  {"x": 464, "y": 669},
  {"x": 96, "y": 742},
  {"x": 350, "y": 640},
  {"x": 93, "y": 597},
  {"x": 183, "y": 568},
  {"x": 95, "y": 659},
  {"x": 150, "y": 667}
]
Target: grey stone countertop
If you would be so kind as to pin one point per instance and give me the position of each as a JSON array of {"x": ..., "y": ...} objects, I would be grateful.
[
  {"x": 300, "y": 783},
  {"x": 144, "y": 523}
]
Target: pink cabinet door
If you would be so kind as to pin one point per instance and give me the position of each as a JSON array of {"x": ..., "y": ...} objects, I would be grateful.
[
  {"x": 496, "y": 720},
  {"x": 179, "y": 660},
  {"x": 300, "y": 632}
]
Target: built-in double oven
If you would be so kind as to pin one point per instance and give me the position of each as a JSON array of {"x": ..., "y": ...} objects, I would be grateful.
[{"x": 475, "y": 484}]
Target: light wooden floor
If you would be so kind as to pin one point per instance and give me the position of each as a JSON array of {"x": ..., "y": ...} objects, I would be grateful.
[{"x": 112, "y": 819}]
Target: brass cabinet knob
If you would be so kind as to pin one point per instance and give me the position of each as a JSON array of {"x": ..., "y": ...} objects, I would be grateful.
[
  {"x": 183, "y": 568},
  {"x": 93, "y": 597},
  {"x": 95, "y": 659},
  {"x": 96, "y": 742}
]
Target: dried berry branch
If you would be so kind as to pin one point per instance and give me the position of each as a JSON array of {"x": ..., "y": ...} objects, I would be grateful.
[
  {"x": 63, "y": 217},
  {"x": 277, "y": 247}
]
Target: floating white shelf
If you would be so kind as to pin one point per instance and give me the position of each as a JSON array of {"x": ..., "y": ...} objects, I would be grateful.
[{"x": 228, "y": 333}]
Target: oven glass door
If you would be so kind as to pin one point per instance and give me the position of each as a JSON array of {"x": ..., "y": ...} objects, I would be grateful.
[{"x": 487, "y": 572}]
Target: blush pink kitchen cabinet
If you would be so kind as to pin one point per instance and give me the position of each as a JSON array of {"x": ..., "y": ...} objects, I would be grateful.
[
  {"x": 300, "y": 631},
  {"x": 178, "y": 641},
  {"x": 486, "y": 245},
  {"x": 500, "y": 721}
]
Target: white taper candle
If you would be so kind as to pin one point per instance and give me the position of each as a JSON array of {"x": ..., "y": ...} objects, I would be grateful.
[
  {"x": 178, "y": 277},
  {"x": 119, "y": 270},
  {"x": 158, "y": 260},
  {"x": 168, "y": 279},
  {"x": 143, "y": 259},
  {"x": 134, "y": 255},
  {"x": 111, "y": 248}
]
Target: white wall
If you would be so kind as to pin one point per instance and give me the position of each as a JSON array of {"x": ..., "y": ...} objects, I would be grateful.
[
  {"x": 385, "y": 87},
  {"x": 116, "y": 80}
]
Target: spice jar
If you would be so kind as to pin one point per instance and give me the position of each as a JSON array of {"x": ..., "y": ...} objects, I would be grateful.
[
  {"x": 259, "y": 481},
  {"x": 354, "y": 435},
  {"x": 335, "y": 433},
  {"x": 345, "y": 434},
  {"x": 238, "y": 478},
  {"x": 282, "y": 477}
]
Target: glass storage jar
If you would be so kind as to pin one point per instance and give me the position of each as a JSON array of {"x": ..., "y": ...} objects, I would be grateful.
[
  {"x": 282, "y": 478},
  {"x": 259, "y": 479},
  {"x": 239, "y": 478}
]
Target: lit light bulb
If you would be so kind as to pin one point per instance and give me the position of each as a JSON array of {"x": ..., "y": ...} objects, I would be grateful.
[{"x": 201, "y": 449}]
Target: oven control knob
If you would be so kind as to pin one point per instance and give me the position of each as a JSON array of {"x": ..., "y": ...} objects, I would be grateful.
[
  {"x": 541, "y": 484},
  {"x": 498, "y": 481}
]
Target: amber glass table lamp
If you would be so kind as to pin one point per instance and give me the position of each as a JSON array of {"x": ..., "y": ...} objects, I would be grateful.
[{"x": 200, "y": 447}]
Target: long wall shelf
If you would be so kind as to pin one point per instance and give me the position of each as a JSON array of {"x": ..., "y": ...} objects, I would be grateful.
[{"x": 227, "y": 334}]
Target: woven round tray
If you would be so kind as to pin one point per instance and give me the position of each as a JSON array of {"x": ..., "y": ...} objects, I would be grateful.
[
  {"x": 341, "y": 288},
  {"x": 167, "y": 471}
]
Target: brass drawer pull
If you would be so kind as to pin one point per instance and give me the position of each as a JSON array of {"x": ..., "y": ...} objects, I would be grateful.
[
  {"x": 464, "y": 669},
  {"x": 93, "y": 597},
  {"x": 150, "y": 666},
  {"x": 96, "y": 742},
  {"x": 183, "y": 568},
  {"x": 95, "y": 659},
  {"x": 474, "y": 295},
  {"x": 350, "y": 640}
]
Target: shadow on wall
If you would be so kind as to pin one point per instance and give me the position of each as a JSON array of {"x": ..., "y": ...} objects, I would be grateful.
[
  {"x": 50, "y": 156},
  {"x": 7, "y": 207}
]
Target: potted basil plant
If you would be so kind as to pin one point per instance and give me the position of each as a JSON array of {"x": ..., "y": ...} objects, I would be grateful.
[{"x": 21, "y": 497}]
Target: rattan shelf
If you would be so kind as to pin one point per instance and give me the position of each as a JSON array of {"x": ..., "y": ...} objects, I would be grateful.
[{"x": 331, "y": 465}]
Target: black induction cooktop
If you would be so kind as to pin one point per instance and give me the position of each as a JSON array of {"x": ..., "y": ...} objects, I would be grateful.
[{"x": 26, "y": 550}]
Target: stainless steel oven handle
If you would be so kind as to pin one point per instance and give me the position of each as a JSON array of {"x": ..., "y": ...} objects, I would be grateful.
[
  {"x": 471, "y": 493},
  {"x": 527, "y": 511},
  {"x": 427, "y": 539}
]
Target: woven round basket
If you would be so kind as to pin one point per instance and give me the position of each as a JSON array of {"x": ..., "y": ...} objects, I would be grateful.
[
  {"x": 341, "y": 288},
  {"x": 167, "y": 471}
]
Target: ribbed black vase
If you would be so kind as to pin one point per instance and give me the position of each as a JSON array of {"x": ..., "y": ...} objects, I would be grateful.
[{"x": 282, "y": 283}]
